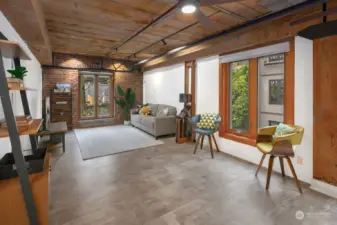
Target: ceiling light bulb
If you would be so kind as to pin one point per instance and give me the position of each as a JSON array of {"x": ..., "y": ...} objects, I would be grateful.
[{"x": 188, "y": 8}]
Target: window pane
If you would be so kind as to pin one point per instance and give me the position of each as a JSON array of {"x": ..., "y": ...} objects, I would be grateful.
[
  {"x": 104, "y": 96},
  {"x": 239, "y": 96},
  {"x": 88, "y": 99},
  {"x": 271, "y": 90}
]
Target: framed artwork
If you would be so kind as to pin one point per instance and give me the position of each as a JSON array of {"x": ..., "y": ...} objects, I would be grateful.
[{"x": 276, "y": 92}]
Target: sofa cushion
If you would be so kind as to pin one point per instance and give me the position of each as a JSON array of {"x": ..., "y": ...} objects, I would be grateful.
[
  {"x": 162, "y": 112},
  {"x": 172, "y": 111},
  {"x": 147, "y": 121},
  {"x": 154, "y": 109},
  {"x": 135, "y": 118}
]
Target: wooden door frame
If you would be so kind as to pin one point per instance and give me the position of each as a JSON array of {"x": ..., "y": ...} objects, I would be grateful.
[
  {"x": 96, "y": 117},
  {"x": 192, "y": 65}
]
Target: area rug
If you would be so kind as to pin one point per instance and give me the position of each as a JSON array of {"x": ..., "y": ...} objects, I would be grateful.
[{"x": 102, "y": 141}]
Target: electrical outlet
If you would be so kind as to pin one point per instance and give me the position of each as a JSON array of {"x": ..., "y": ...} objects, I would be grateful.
[{"x": 300, "y": 160}]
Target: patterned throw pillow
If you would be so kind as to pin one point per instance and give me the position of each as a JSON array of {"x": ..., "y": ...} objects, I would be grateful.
[
  {"x": 207, "y": 121},
  {"x": 283, "y": 129}
]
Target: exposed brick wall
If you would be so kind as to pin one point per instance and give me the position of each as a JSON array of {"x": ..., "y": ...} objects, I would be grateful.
[{"x": 52, "y": 76}]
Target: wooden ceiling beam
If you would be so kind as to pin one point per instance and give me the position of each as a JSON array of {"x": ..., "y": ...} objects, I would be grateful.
[
  {"x": 230, "y": 13},
  {"x": 39, "y": 13}
]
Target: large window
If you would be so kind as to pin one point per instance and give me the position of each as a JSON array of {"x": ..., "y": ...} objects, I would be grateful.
[
  {"x": 256, "y": 92},
  {"x": 95, "y": 96},
  {"x": 239, "y": 96},
  {"x": 271, "y": 90}
]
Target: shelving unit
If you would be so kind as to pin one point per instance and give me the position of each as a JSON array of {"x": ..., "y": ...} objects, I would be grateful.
[
  {"x": 24, "y": 199},
  {"x": 20, "y": 89}
]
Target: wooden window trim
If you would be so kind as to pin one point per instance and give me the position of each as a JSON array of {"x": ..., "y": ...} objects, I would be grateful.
[
  {"x": 249, "y": 137},
  {"x": 188, "y": 65},
  {"x": 96, "y": 117}
]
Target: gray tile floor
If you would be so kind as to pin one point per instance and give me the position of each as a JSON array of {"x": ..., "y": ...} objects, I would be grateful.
[{"x": 167, "y": 185}]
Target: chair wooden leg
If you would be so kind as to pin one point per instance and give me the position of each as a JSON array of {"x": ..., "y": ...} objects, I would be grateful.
[
  {"x": 216, "y": 143},
  {"x": 294, "y": 174},
  {"x": 196, "y": 145},
  {"x": 282, "y": 165},
  {"x": 210, "y": 145},
  {"x": 260, "y": 164},
  {"x": 202, "y": 141},
  {"x": 270, "y": 170}
]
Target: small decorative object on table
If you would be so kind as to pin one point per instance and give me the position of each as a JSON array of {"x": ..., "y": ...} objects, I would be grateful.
[
  {"x": 16, "y": 80},
  {"x": 62, "y": 88}
]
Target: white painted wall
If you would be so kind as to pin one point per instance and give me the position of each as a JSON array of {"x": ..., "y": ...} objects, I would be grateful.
[
  {"x": 207, "y": 79},
  {"x": 163, "y": 86},
  {"x": 208, "y": 101},
  {"x": 33, "y": 80},
  {"x": 304, "y": 101}
]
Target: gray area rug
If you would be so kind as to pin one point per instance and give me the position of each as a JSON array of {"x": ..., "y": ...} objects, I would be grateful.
[{"x": 102, "y": 141}]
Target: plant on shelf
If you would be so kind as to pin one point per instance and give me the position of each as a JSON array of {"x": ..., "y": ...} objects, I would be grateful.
[
  {"x": 17, "y": 77},
  {"x": 18, "y": 73},
  {"x": 126, "y": 100}
]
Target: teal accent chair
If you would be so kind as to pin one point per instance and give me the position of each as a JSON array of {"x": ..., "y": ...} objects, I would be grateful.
[{"x": 204, "y": 132}]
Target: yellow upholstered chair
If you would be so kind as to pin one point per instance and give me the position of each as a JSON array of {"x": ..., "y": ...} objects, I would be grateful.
[{"x": 278, "y": 146}]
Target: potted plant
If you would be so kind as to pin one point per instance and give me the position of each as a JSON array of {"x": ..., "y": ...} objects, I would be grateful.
[
  {"x": 17, "y": 77},
  {"x": 126, "y": 100}
]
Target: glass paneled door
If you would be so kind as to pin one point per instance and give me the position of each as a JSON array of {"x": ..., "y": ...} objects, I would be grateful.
[{"x": 95, "y": 96}]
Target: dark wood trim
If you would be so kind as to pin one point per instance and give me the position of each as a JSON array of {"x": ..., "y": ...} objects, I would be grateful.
[
  {"x": 238, "y": 138},
  {"x": 289, "y": 84},
  {"x": 253, "y": 97}
]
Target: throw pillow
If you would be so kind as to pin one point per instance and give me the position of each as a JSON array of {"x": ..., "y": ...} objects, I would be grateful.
[
  {"x": 283, "y": 129},
  {"x": 145, "y": 111},
  {"x": 207, "y": 121},
  {"x": 163, "y": 112}
]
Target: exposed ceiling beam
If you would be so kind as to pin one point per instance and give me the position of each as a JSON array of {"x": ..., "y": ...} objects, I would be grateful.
[
  {"x": 39, "y": 13},
  {"x": 230, "y": 13},
  {"x": 288, "y": 11}
]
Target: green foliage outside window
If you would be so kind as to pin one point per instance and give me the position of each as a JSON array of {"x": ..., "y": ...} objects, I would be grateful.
[{"x": 239, "y": 95}]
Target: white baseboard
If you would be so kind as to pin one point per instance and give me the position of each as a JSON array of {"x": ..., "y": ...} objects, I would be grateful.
[{"x": 324, "y": 188}]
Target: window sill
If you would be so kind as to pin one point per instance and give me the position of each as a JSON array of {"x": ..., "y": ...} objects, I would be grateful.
[{"x": 238, "y": 138}]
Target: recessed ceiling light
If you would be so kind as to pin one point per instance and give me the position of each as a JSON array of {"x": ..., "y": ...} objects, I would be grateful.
[{"x": 190, "y": 8}]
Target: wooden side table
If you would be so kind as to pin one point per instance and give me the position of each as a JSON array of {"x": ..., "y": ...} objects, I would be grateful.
[
  {"x": 59, "y": 128},
  {"x": 180, "y": 134}
]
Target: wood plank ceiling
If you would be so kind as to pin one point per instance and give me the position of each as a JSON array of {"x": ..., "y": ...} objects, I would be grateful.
[{"x": 97, "y": 27}]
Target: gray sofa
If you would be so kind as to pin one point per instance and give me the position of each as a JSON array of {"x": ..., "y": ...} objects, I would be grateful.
[{"x": 156, "y": 125}]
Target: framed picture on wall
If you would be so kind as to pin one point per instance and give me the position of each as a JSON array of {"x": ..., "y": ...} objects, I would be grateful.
[{"x": 276, "y": 92}]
